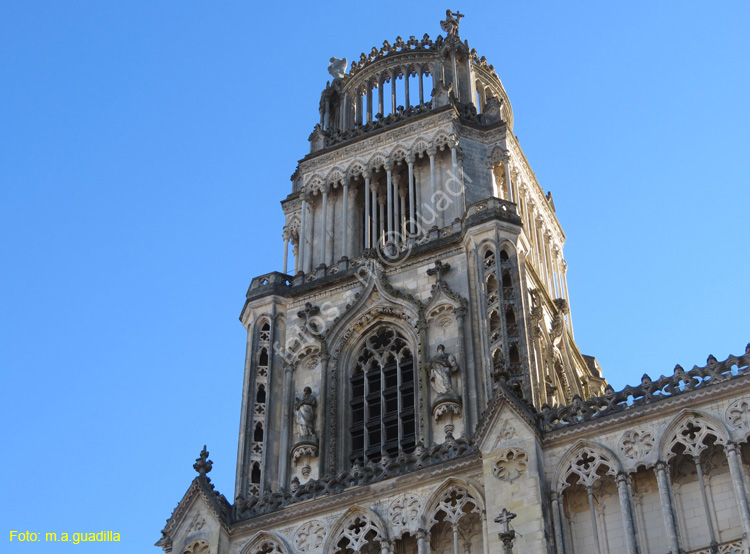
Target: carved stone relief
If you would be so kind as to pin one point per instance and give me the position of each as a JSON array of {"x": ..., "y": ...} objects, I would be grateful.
[
  {"x": 197, "y": 547},
  {"x": 738, "y": 414},
  {"x": 636, "y": 443},
  {"x": 404, "y": 510},
  {"x": 505, "y": 432},
  {"x": 310, "y": 536},
  {"x": 197, "y": 523},
  {"x": 510, "y": 464}
]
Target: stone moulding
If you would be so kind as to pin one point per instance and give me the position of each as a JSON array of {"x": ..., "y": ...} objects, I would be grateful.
[{"x": 649, "y": 391}]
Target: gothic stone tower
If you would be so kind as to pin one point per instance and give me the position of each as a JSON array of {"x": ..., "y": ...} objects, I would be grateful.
[
  {"x": 416, "y": 223},
  {"x": 399, "y": 380}
]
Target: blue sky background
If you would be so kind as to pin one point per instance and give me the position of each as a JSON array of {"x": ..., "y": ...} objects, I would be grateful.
[{"x": 144, "y": 147}]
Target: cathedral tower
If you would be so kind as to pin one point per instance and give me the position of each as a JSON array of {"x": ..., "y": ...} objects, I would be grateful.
[
  {"x": 411, "y": 382},
  {"x": 428, "y": 268}
]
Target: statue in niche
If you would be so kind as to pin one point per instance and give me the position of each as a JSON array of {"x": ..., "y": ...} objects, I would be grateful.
[
  {"x": 450, "y": 25},
  {"x": 442, "y": 367},
  {"x": 305, "y": 408}
]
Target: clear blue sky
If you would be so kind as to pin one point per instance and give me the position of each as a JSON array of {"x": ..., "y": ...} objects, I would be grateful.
[{"x": 144, "y": 147}]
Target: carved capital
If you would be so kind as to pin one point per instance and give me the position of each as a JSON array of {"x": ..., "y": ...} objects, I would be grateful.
[{"x": 423, "y": 535}]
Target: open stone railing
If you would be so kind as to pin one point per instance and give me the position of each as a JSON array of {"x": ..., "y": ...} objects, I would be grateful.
[
  {"x": 411, "y": 45},
  {"x": 648, "y": 391},
  {"x": 398, "y": 46},
  {"x": 358, "y": 475},
  {"x": 274, "y": 282},
  {"x": 733, "y": 547},
  {"x": 335, "y": 136}
]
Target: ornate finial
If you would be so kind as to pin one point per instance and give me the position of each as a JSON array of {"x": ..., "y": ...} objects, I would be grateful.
[
  {"x": 202, "y": 464},
  {"x": 337, "y": 67},
  {"x": 450, "y": 25}
]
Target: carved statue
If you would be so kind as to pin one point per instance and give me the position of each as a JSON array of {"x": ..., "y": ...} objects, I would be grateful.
[
  {"x": 441, "y": 368},
  {"x": 450, "y": 25},
  {"x": 442, "y": 94},
  {"x": 551, "y": 391},
  {"x": 337, "y": 67},
  {"x": 305, "y": 408}
]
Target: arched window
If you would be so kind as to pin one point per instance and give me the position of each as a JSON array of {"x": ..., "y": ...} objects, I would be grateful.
[
  {"x": 260, "y": 397},
  {"x": 255, "y": 474},
  {"x": 382, "y": 402},
  {"x": 489, "y": 259},
  {"x": 491, "y": 289},
  {"x": 513, "y": 355},
  {"x": 507, "y": 281},
  {"x": 258, "y": 435}
]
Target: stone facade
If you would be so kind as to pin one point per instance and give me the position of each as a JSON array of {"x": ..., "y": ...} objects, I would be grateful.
[{"x": 413, "y": 385}]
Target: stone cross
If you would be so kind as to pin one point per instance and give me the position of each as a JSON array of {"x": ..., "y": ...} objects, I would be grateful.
[
  {"x": 508, "y": 535},
  {"x": 438, "y": 270},
  {"x": 505, "y": 518}
]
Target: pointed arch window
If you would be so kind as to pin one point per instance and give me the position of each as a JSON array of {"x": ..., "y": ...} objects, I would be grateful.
[{"x": 383, "y": 419}]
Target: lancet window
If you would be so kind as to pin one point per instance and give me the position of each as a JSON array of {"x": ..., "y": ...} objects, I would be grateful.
[
  {"x": 502, "y": 318},
  {"x": 701, "y": 475},
  {"x": 456, "y": 525},
  {"x": 383, "y": 420},
  {"x": 256, "y": 429},
  {"x": 592, "y": 504}
]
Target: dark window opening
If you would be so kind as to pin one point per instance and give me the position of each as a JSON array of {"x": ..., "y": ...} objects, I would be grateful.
[
  {"x": 513, "y": 356},
  {"x": 383, "y": 420},
  {"x": 255, "y": 474}
]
